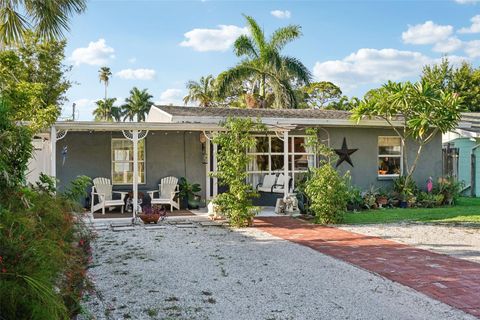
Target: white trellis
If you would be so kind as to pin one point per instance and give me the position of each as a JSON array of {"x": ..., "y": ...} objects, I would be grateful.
[{"x": 135, "y": 136}]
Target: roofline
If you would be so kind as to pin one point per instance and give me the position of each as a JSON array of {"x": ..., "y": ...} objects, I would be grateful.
[{"x": 294, "y": 121}]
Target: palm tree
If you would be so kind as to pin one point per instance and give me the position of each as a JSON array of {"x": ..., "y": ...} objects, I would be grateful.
[
  {"x": 264, "y": 68},
  {"x": 49, "y": 19},
  {"x": 104, "y": 75},
  {"x": 106, "y": 111},
  {"x": 203, "y": 91},
  {"x": 138, "y": 104}
]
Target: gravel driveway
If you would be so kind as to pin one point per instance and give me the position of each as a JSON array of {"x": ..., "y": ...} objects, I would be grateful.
[
  {"x": 218, "y": 273},
  {"x": 458, "y": 241}
]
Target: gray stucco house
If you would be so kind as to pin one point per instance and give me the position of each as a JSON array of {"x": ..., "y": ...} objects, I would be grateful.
[{"x": 175, "y": 141}]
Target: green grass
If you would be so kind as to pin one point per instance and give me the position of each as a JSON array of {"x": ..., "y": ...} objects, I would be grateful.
[{"x": 467, "y": 210}]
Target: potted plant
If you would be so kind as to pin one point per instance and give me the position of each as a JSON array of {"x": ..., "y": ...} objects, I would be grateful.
[
  {"x": 370, "y": 198},
  {"x": 449, "y": 188},
  {"x": 151, "y": 214},
  {"x": 382, "y": 198},
  {"x": 406, "y": 191},
  {"x": 355, "y": 201},
  {"x": 188, "y": 197}
]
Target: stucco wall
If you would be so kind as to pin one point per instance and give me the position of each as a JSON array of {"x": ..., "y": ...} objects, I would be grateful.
[
  {"x": 179, "y": 154},
  {"x": 465, "y": 146},
  {"x": 365, "y": 159},
  {"x": 167, "y": 154}
]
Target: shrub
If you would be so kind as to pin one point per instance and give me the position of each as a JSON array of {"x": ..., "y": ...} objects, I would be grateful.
[
  {"x": 44, "y": 252},
  {"x": 405, "y": 189},
  {"x": 328, "y": 193},
  {"x": 450, "y": 188}
]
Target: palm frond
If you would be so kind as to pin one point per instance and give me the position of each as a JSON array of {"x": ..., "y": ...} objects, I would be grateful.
[
  {"x": 244, "y": 46},
  {"x": 284, "y": 35},
  {"x": 12, "y": 24},
  {"x": 257, "y": 33},
  {"x": 227, "y": 80},
  {"x": 297, "y": 69}
]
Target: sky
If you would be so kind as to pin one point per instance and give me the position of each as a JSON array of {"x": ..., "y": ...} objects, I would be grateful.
[{"x": 358, "y": 45}]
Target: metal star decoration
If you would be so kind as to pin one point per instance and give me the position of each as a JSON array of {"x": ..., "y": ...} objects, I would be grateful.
[{"x": 344, "y": 153}]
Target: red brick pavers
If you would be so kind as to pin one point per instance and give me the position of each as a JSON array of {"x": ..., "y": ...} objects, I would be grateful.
[{"x": 450, "y": 280}]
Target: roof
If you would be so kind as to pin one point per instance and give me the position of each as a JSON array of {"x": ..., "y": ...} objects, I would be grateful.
[
  {"x": 469, "y": 124},
  {"x": 255, "y": 113},
  {"x": 274, "y": 117}
]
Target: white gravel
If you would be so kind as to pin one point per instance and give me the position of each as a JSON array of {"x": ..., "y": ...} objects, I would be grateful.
[
  {"x": 458, "y": 241},
  {"x": 218, "y": 273}
]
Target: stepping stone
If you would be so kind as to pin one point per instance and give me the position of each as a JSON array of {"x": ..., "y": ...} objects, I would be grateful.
[
  {"x": 186, "y": 226},
  {"x": 121, "y": 224},
  {"x": 179, "y": 222},
  {"x": 101, "y": 227},
  {"x": 155, "y": 227},
  {"x": 123, "y": 228},
  {"x": 212, "y": 224}
]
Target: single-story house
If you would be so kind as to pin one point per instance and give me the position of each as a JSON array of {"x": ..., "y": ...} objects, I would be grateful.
[
  {"x": 176, "y": 141},
  {"x": 461, "y": 149}
]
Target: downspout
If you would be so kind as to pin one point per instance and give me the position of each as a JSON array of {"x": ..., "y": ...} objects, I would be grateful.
[{"x": 473, "y": 166}]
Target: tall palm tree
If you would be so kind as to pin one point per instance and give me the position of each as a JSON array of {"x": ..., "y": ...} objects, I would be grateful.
[
  {"x": 264, "y": 67},
  {"x": 202, "y": 92},
  {"x": 106, "y": 111},
  {"x": 104, "y": 75},
  {"x": 49, "y": 19},
  {"x": 138, "y": 104}
]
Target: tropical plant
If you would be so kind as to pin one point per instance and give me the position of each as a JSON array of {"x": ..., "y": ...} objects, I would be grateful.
[
  {"x": 104, "y": 75},
  {"x": 48, "y": 19},
  {"x": 450, "y": 188},
  {"x": 138, "y": 104},
  {"x": 32, "y": 78},
  {"x": 106, "y": 111},
  {"x": 423, "y": 110},
  {"x": 267, "y": 73},
  {"x": 202, "y": 92},
  {"x": 232, "y": 161}
]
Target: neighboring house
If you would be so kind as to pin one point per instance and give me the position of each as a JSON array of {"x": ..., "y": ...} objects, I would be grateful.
[
  {"x": 462, "y": 153},
  {"x": 175, "y": 141}
]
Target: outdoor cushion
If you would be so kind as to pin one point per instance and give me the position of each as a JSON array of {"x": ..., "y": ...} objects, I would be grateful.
[
  {"x": 267, "y": 184},
  {"x": 104, "y": 189}
]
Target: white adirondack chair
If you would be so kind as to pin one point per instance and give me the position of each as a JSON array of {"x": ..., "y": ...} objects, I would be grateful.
[
  {"x": 267, "y": 183},
  {"x": 167, "y": 189},
  {"x": 103, "y": 189}
]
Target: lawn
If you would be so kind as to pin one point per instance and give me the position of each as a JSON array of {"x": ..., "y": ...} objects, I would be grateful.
[{"x": 467, "y": 210}]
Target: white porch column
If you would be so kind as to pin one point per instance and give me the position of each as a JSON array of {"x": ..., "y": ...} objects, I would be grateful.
[
  {"x": 207, "y": 182},
  {"x": 53, "y": 153},
  {"x": 215, "y": 180},
  {"x": 135, "y": 171},
  {"x": 285, "y": 164}
]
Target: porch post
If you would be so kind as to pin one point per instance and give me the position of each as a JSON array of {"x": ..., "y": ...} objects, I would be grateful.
[
  {"x": 135, "y": 172},
  {"x": 285, "y": 164},
  {"x": 207, "y": 182},
  {"x": 215, "y": 180},
  {"x": 53, "y": 153}
]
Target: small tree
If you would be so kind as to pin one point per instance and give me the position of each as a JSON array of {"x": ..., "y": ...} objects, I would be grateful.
[
  {"x": 232, "y": 161},
  {"x": 423, "y": 110}
]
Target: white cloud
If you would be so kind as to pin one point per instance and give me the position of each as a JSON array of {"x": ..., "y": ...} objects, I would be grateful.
[
  {"x": 472, "y": 48},
  {"x": 171, "y": 97},
  {"x": 449, "y": 45},
  {"x": 219, "y": 39},
  {"x": 281, "y": 14},
  {"x": 371, "y": 66},
  {"x": 137, "y": 74},
  {"x": 96, "y": 53},
  {"x": 467, "y": 1},
  {"x": 474, "y": 28},
  {"x": 427, "y": 33}
]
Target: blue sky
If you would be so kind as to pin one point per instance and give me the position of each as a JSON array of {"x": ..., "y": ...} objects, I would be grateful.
[{"x": 358, "y": 45}]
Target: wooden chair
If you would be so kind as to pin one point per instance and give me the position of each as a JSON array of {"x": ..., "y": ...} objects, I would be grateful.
[
  {"x": 167, "y": 190},
  {"x": 102, "y": 187}
]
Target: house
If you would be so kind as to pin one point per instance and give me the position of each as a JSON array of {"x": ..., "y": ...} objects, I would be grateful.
[
  {"x": 176, "y": 141},
  {"x": 462, "y": 152}
]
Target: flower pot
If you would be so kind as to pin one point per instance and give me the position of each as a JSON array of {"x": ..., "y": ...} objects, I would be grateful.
[
  {"x": 149, "y": 218},
  {"x": 382, "y": 201},
  {"x": 403, "y": 204}
]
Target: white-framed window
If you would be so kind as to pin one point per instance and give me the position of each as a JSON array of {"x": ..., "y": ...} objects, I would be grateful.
[
  {"x": 389, "y": 157},
  {"x": 122, "y": 161},
  {"x": 267, "y": 157}
]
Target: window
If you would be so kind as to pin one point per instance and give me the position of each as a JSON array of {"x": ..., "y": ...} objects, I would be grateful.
[
  {"x": 389, "y": 157},
  {"x": 267, "y": 158},
  {"x": 122, "y": 161}
]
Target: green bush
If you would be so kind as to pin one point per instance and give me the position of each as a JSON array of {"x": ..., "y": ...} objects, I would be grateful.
[
  {"x": 232, "y": 160},
  {"x": 450, "y": 188},
  {"x": 328, "y": 193}
]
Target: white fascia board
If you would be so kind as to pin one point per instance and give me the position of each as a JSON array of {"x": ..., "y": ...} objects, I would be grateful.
[{"x": 467, "y": 134}]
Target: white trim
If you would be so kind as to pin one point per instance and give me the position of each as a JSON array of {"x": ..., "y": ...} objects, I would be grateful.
[
  {"x": 112, "y": 163},
  {"x": 286, "y": 179},
  {"x": 208, "y": 195},
  {"x": 53, "y": 153},
  {"x": 399, "y": 156}
]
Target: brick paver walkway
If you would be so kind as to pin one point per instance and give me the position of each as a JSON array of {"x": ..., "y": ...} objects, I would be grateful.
[{"x": 453, "y": 281}]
